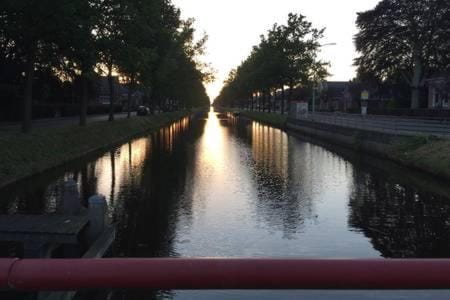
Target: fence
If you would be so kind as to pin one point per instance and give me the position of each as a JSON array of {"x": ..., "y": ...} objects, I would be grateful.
[{"x": 386, "y": 124}]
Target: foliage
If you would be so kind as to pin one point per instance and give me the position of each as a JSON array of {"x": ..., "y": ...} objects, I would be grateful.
[
  {"x": 145, "y": 43},
  {"x": 404, "y": 40},
  {"x": 285, "y": 57}
]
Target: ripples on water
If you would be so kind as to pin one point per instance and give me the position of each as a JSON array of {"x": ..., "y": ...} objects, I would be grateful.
[{"x": 220, "y": 186}]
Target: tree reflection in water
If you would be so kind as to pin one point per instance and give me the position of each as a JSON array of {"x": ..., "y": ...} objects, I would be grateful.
[{"x": 400, "y": 220}]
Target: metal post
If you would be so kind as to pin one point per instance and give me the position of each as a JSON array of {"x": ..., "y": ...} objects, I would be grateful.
[
  {"x": 97, "y": 217},
  {"x": 314, "y": 98},
  {"x": 71, "y": 198}
]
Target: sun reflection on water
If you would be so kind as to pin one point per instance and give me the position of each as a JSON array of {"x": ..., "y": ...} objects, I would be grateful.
[{"x": 212, "y": 146}]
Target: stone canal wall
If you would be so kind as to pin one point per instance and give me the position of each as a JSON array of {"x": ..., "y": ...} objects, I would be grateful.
[
  {"x": 424, "y": 153},
  {"x": 368, "y": 141}
]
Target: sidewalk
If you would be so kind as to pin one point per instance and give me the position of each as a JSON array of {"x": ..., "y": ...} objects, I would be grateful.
[{"x": 59, "y": 122}]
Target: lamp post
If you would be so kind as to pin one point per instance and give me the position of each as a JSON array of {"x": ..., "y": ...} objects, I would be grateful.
[{"x": 314, "y": 79}]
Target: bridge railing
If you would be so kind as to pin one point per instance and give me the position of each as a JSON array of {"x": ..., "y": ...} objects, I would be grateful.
[{"x": 222, "y": 273}]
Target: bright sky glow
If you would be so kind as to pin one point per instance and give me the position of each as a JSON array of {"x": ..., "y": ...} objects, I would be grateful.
[{"x": 234, "y": 26}]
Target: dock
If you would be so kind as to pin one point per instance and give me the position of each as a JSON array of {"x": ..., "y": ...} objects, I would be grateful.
[{"x": 76, "y": 227}]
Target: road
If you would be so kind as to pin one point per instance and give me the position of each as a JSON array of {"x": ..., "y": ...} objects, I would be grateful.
[{"x": 59, "y": 122}]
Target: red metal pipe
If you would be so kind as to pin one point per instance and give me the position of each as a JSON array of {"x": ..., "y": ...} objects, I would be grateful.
[{"x": 221, "y": 273}]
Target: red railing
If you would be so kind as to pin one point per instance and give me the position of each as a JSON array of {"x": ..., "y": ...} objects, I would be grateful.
[{"x": 221, "y": 273}]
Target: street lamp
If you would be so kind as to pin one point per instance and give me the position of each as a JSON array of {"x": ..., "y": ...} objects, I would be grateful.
[{"x": 314, "y": 79}]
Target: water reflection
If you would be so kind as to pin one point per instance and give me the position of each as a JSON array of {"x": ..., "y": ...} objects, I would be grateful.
[
  {"x": 223, "y": 186},
  {"x": 400, "y": 220}
]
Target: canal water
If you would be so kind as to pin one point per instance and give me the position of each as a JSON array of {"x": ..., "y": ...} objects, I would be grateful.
[{"x": 223, "y": 186}]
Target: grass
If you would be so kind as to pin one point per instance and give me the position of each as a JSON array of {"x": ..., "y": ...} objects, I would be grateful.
[
  {"x": 22, "y": 155},
  {"x": 273, "y": 119},
  {"x": 429, "y": 154}
]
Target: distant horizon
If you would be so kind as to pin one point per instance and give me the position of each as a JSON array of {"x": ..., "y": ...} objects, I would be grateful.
[{"x": 233, "y": 29}]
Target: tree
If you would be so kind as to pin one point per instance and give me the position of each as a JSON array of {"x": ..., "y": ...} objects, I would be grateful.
[
  {"x": 110, "y": 34},
  {"x": 137, "y": 49},
  {"x": 29, "y": 38},
  {"x": 286, "y": 56},
  {"x": 145, "y": 42},
  {"x": 410, "y": 38},
  {"x": 78, "y": 49}
]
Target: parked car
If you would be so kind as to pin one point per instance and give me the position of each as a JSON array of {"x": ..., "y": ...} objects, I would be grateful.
[{"x": 143, "y": 111}]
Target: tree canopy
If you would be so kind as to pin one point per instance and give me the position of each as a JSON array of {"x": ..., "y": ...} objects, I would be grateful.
[
  {"x": 285, "y": 57},
  {"x": 407, "y": 39},
  {"x": 145, "y": 43}
]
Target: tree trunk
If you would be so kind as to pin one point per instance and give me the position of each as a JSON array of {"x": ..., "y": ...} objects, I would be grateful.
[
  {"x": 253, "y": 101},
  {"x": 264, "y": 100},
  {"x": 261, "y": 102},
  {"x": 282, "y": 99},
  {"x": 269, "y": 98},
  {"x": 130, "y": 93},
  {"x": 28, "y": 95},
  {"x": 161, "y": 104},
  {"x": 416, "y": 81},
  {"x": 291, "y": 89},
  {"x": 84, "y": 99},
  {"x": 111, "y": 93},
  {"x": 151, "y": 103}
]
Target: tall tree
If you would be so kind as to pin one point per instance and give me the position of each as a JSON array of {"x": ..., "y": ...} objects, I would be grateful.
[
  {"x": 32, "y": 39},
  {"x": 78, "y": 47},
  {"x": 407, "y": 37},
  {"x": 110, "y": 34},
  {"x": 286, "y": 56}
]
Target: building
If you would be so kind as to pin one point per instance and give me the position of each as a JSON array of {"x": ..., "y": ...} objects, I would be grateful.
[
  {"x": 120, "y": 93},
  {"x": 103, "y": 95},
  {"x": 137, "y": 97},
  {"x": 439, "y": 92},
  {"x": 336, "y": 96}
]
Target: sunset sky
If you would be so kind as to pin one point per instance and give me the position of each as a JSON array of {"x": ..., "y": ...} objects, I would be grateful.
[{"x": 234, "y": 26}]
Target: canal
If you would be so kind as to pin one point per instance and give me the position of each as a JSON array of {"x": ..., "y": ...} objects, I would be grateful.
[{"x": 224, "y": 186}]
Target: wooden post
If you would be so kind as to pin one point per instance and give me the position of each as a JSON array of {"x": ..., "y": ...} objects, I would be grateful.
[
  {"x": 71, "y": 198},
  {"x": 97, "y": 217}
]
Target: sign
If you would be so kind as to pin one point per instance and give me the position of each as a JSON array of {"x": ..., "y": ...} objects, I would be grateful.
[{"x": 365, "y": 95}]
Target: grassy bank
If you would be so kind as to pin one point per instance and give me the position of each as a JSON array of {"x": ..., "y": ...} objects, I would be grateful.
[
  {"x": 23, "y": 155},
  {"x": 428, "y": 154},
  {"x": 275, "y": 120}
]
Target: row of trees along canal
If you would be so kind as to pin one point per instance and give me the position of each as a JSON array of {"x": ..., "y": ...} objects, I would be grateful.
[
  {"x": 71, "y": 42},
  {"x": 401, "y": 43}
]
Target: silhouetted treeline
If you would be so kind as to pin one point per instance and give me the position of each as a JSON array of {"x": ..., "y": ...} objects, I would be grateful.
[
  {"x": 286, "y": 57},
  {"x": 55, "y": 52},
  {"x": 401, "y": 44}
]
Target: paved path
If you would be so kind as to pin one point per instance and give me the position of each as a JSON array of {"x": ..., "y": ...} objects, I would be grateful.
[{"x": 59, "y": 122}]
